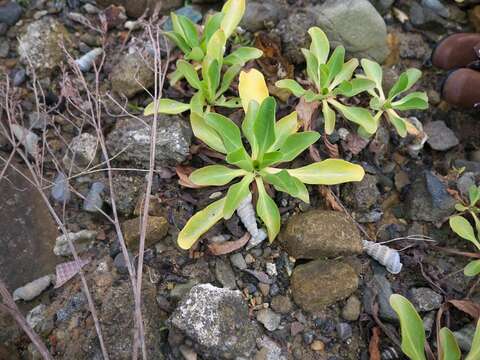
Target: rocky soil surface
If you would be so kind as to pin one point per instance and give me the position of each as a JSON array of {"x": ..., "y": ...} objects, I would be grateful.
[{"x": 313, "y": 293}]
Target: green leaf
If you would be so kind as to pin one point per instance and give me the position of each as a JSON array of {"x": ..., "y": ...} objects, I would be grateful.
[
  {"x": 189, "y": 73},
  {"x": 166, "y": 106},
  {"x": 358, "y": 116},
  {"x": 200, "y": 223},
  {"x": 474, "y": 353},
  {"x": 241, "y": 159},
  {"x": 190, "y": 31},
  {"x": 284, "y": 127},
  {"x": 271, "y": 158},
  {"x": 179, "y": 41},
  {"x": 228, "y": 131},
  {"x": 320, "y": 46},
  {"x": 213, "y": 79},
  {"x": 215, "y": 175},
  {"x": 247, "y": 126},
  {"x": 312, "y": 67},
  {"x": 196, "y": 54},
  {"x": 177, "y": 27},
  {"x": 268, "y": 211},
  {"x": 211, "y": 26},
  {"x": 264, "y": 126},
  {"x": 329, "y": 116},
  {"x": 328, "y": 172},
  {"x": 291, "y": 85},
  {"x": 297, "y": 143},
  {"x": 413, "y": 333},
  {"x": 354, "y": 87},
  {"x": 236, "y": 194},
  {"x": 398, "y": 122},
  {"x": 404, "y": 82},
  {"x": 197, "y": 103},
  {"x": 216, "y": 46},
  {"x": 473, "y": 194},
  {"x": 228, "y": 77},
  {"x": 462, "y": 228},
  {"x": 460, "y": 207},
  {"x": 324, "y": 75},
  {"x": 472, "y": 268},
  {"x": 242, "y": 55},
  {"x": 206, "y": 133},
  {"x": 283, "y": 181},
  {"x": 449, "y": 346},
  {"x": 415, "y": 100},
  {"x": 335, "y": 63},
  {"x": 346, "y": 73},
  {"x": 373, "y": 71},
  {"x": 233, "y": 11}
]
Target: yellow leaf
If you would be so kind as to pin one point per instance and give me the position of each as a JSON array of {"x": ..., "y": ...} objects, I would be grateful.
[{"x": 252, "y": 86}]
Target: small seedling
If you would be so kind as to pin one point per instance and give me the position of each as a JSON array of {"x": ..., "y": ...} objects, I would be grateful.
[
  {"x": 413, "y": 334},
  {"x": 462, "y": 228},
  {"x": 271, "y": 143}
]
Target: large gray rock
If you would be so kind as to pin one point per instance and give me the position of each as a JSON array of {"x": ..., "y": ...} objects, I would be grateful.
[
  {"x": 428, "y": 199},
  {"x": 217, "y": 322},
  {"x": 260, "y": 14},
  {"x": 355, "y": 24},
  {"x": 320, "y": 283},
  {"x": 39, "y": 45},
  {"x": 131, "y": 75},
  {"x": 319, "y": 233},
  {"x": 130, "y": 139}
]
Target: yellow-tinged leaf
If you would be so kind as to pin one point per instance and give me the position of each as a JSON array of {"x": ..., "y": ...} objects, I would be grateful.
[
  {"x": 200, "y": 223},
  {"x": 328, "y": 172},
  {"x": 268, "y": 211},
  {"x": 233, "y": 11},
  {"x": 206, "y": 133},
  {"x": 165, "y": 106},
  {"x": 252, "y": 86}
]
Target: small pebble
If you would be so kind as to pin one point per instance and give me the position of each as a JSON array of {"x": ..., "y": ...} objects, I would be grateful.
[
  {"x": 344, "y": 331},
  {"x": 264, "y": 288},
  {"x": 296, "y": 327},
  {"x": 249, "y": 259},
  {"x": 271, "y": 269},
  {"x": 351, "y": 310},
  {"x": 269, "y": 319},
  {"x": 120, "y": 263},
  {"x": 274, "y": 289},
  {"x": 238, "y": 261},
  {"x": 308, "y": 337},
  {"x": 317, "y": 345}
]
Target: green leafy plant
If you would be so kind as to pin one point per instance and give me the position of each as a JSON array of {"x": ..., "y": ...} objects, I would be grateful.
[
  {"x": 209, "y": 72},
  {"x": 413, "y": 334},
  {"x": 332, "y": 81},
  {"x": 389, "y": 104},
  {"x": 462, "y": 228},
  {"x": 332, "y": 78},
  {"x": 271, "y": 143}
]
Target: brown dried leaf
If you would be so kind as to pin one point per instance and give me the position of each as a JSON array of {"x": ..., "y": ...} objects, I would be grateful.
[
  {"x": 273, "y": 63},
  {"x": 468, "y": 307},
  {"x": 228, "y": 246},
  {"x": 374, "y": 346},
  {"x": 355, "y": 143},
  {"x": 330, "y": 200},
  {"x": 332, "y": 149},
  {"x": 183, "y": 173},
  {"x": 305, "y": 112}
]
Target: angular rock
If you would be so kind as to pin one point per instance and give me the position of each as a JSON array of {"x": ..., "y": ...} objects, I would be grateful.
[
  {"x": 224, "y": 274},
  {"x": 93, "y": 201},
  {"x": 362, "y": 195},
  {"x": 31, "y": 290},
  {"x": 38, "y": 46},
  {"x": 425, "y": 299},
  {"x": 428, "y": 199},
  {"x": 173, "y": 141},
  {"x": 351, "y": 310},
  {"x": 440, "y": 137},
  {"x": 216, "y": 321},
  {"x": 40, "y": 320},
  {"x": 465, "y": 182},
  {"x": 157, "y": 228},
  {"x": 10, "y": 12},
  {"x": 238, "y": 261},
  {"x": 258, "y": 14},
  {"x": 82, "y": 152},
  {"x": 320, "y": 283},
  {"x": 293, "y": 32},
  {"x": 355, "y": 24},
  {"x": 81, "y": 240},
  {"x": 131, "y": 72},
  {"x": 126, "y": 189},
  {"x": 319, "y": 233},
  {"x": 381, "y": 290},
  {"x": 269, "y": 319},
  {"x": 281, "y": 304}
]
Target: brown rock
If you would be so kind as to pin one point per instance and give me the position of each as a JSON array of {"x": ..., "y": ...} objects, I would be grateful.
[
  {"x": 320, "y": 283},
  {"x": 136, "y": 8},
  {"x": 319, "y": 233},
  {"x": 156, "y": 230},
  {"x": 282, "y": 304}
]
